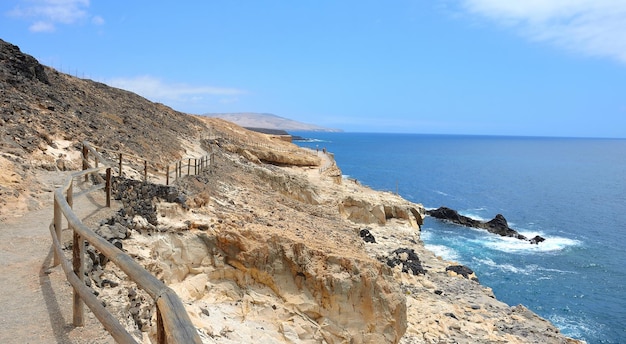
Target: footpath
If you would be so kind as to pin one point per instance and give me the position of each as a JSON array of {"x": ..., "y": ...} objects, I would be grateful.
[{"x": 35, "y": 298}]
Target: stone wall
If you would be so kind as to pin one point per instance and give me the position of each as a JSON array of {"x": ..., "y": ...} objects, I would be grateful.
[{"x": 139, "y": 198}]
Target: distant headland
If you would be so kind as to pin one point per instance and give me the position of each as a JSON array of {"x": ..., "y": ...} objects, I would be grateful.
[{"x": 268, "y": 121}]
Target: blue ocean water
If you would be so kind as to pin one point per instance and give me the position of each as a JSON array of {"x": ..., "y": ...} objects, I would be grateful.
[{"x": 570, "y": 191}]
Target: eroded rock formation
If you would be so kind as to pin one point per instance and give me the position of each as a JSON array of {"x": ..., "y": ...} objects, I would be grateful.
[
  {"x": 335, "y": 299},
  {"x": 379, "y": 210}
]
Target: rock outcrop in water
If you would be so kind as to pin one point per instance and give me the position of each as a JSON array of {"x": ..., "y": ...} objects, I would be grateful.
[{"x": 498, "y": 225}]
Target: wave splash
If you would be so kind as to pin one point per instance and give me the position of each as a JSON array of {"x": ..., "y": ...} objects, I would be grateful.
[
  {"x": 444, "y": 252},
  {"x": 530, "y": 269},
  {"x": 513, "y": 245}
]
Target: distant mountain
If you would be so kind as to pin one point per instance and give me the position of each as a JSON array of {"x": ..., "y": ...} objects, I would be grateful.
[{"x": 268, "y": 121}]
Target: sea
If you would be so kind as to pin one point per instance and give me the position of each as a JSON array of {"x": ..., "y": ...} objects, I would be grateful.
[{"x": 571, "y": 191}]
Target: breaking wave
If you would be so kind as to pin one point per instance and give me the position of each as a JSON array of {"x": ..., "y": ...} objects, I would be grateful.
[{"x": 513, "y": 245}]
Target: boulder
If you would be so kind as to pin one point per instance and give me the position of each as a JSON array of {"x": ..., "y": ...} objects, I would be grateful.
[
  {"x": 361, "y": 211},
  {"x": 537, "y": 239},
  {"x": 367, "y": 236},
  {"x": 408, "y": 259},
  {"x": 369, "y": 211},
  {"x": 463, "y": 271}
]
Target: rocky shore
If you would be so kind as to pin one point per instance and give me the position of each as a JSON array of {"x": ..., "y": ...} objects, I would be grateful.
[{"x": 289, "y": 255}]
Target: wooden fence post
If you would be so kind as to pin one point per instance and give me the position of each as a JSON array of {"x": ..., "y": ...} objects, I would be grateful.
[
  {"x": 161, "y": 338},
  {"x": 195, "y": 166},
  {"x": 167, "y": 175},
  {"x": 58, "y": 221},
  {"x": 78, "y": 251},
  {"x": 120, "y": 164},
  {"x": 70, "y": 195},
  {"x": 85, "y": 160},
  {"x": 145, "y": 170},
  {"x": 108, "y": 187},
  {"x": 188, "y": 166}
]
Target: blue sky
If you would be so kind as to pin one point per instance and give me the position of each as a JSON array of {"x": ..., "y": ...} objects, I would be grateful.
[{"x": 532, "y": 67}]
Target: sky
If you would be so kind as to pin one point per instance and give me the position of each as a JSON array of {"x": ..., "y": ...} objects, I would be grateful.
[{"x": 477, "y": 67}]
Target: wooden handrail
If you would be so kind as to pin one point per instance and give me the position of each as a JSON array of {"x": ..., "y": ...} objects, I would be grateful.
[
  {"x": 173, "y": 322},
  {"x": 110, "y": 323}
]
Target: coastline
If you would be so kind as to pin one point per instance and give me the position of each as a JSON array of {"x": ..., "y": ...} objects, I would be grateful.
[{"x": 277, "y": 253}]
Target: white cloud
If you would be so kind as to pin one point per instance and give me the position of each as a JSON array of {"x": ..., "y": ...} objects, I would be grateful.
[
  {"x": 46, "y": 14},
  {"x": 592, "y": 27},
  {"x": 176, "y": 95},
  {"x": 42, "y": 27}
]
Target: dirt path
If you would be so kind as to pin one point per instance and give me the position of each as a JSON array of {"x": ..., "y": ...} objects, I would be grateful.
[{"x": 35, "y": 298}]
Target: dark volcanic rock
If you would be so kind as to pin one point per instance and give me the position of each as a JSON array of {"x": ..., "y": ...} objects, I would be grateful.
[
  {"x": 22, "y": 66},
  {"x": 498, "y": 225},
  {"x": 367, "y": 236},
  {"x": 462, "y": 270},
  {"x": 409, "y": 260},
  {"x": 138, "y": 197},
  {"x": 452, "y": 215},
  {"x": 537, "y": 239}
]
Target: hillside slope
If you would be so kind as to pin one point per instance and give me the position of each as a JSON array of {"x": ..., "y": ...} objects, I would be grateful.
[
  {"x": 40, "y": 104},
  {"x": 44, "y": 115}
]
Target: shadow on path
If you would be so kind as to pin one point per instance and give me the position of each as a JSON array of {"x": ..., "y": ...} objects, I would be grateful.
[{"x": 60, "y": 327}]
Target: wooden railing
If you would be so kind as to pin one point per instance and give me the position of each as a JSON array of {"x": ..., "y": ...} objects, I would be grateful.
[
  {"x": 171, "y": 171},
  {"x": 173, "y": 322}
]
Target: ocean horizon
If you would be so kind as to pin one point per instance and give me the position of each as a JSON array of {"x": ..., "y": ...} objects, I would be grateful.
[{"x": 571, "y": 191}]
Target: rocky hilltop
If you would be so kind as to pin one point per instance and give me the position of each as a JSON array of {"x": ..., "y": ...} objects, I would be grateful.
[{"x": 269, "y": 244}]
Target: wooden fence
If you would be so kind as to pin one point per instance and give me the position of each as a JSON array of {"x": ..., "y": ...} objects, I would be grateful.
[
  {"x": 171, "y": 171},
  {"x": 173, "y": 322}
]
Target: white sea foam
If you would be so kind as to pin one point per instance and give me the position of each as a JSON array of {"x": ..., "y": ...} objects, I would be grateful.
[
  {"x": 576, "y": 327},
  {"x": 313, "y": 140},
  {"x": 444, "y": 252},
  {"x": 502, "y": 267},
  {"x": 441, "y": 193},
  {"x": 524, "y": 270},
  {"x": 472, "y": 215},
  {"x": 513, "y": 245}
]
